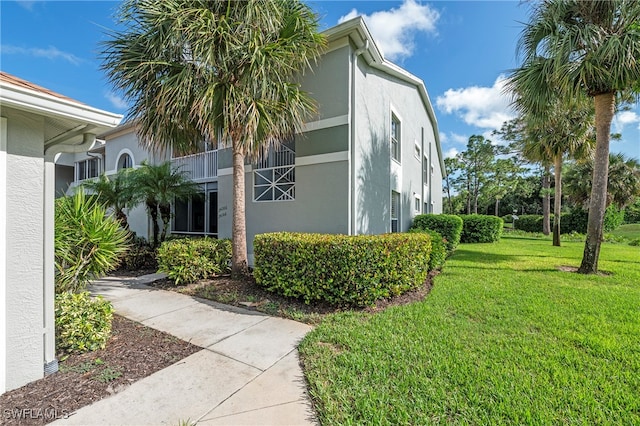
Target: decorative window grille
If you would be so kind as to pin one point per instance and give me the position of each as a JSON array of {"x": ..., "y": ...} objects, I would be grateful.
[
  {"x": 87, "y": 169},
  {"x": 395, "y": 211},
  {"x": 395, "y": 138},
  {"x": 274, "y": 176}
]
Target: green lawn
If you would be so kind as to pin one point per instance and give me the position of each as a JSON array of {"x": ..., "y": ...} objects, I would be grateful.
[
  {"x": 504, "y": 338},
  {"x": 630, "y": 231}
]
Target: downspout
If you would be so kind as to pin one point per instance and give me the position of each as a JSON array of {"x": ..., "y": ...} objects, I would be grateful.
[
  {"x": 430, "y": 179},
  {"x": 49, "y": 338},
  {"x": 352, "y": 136}
]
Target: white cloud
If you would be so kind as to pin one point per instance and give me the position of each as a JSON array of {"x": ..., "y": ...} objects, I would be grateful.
[
  {"x": 443, "y": 137},
  {"x": 26, "y": 4},
  {"x": 484, "y": 107},
  {"x": 50, "y": 52},
  {"x": 459, "y": 138},
  {"x": 116, "y": 101},
  {"x": 394, "y": 30},
  {"x": 451, "y": 152},
  {"x": 623, "y": 119}
]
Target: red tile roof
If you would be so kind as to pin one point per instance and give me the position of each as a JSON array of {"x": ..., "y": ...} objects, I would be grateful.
[{"x": 16, "y": 81}]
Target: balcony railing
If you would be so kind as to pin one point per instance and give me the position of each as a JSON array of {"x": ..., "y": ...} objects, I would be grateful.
[{"x": 202, "y": 165}]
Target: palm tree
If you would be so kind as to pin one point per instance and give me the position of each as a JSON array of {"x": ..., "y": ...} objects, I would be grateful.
[
  {"x": 563, "y": 130},
  {"x": 114, "y": 192},
  {"x": 582, "y": 47},
  {"x": 158, "y": 186},
  {"x": 223, "y": 70},
  {"x": 623, "y": 186}
]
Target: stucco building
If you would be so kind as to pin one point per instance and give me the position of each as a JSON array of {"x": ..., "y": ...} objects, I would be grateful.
[
  {"x": 36, "y": 125},
  {"x": 367, "y": 164}
]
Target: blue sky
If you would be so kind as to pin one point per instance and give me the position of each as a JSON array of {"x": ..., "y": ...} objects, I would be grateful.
[{"x": 460, "y": 49}]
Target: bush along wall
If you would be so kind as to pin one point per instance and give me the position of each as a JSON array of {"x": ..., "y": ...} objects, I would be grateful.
[
  {"x": 83, "y": 323},
  {"x": 339, "y": 269},
  {"x": 438, "y": 248},
  {"x": 449, "y": 226},
  {"x": 190, "y": 259},
  {"x": 478, "y": 228}
]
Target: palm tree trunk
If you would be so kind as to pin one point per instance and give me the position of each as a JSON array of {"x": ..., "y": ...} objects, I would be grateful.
[
  {"x": 546, "y": 201},
  {"x": 165, "y": 215},
  {"x": 557, "y": 200},
  {"x": 239, "y": 263},
  {"x": 604, "y": 108},
  {"x": 153, "y": 212}
]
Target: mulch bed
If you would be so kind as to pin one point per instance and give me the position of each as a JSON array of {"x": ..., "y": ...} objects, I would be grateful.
[{"x": 133, "y": 351}]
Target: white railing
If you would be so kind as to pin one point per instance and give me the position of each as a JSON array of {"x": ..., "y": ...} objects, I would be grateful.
[
  {"x": 276, "y": 157},
  {"x": 202, "y": 165}
]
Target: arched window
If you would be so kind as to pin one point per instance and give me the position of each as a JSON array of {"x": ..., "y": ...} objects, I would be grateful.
[{"x": 125, "y": 162}]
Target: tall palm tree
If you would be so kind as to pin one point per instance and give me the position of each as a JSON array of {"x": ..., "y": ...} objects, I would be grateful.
[
  {"x": 114, "y": 192},
  {"x": 575, "y": 47},
  {"x": 224, "y": 70},
  {"x": 563, "y": 130},
  {"x": 157, "y": 186}
]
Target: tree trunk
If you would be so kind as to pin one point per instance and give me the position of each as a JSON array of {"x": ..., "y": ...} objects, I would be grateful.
[
  {"x": 153, "y": 212},
  {"x": 165, "y": 215},
  {"x": 497, "y": 208},
  {"x": 239, "y": 263},
  {"x": 546, "y": 201},
  {"x": 604, "y": 108},
  {"x": 557, "y": 200}
]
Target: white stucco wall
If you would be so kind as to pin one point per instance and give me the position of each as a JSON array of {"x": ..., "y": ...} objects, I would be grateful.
[{"x": 23, "y": 255}]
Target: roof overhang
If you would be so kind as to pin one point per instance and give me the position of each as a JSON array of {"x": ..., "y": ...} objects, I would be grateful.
[{"x": 361, "y": 37}]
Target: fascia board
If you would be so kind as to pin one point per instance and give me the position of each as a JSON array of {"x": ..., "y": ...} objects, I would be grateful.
[{"x": 51, "y": 106}]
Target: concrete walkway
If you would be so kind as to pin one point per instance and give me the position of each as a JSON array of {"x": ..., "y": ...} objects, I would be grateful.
[{"x": 247, "y": 373}]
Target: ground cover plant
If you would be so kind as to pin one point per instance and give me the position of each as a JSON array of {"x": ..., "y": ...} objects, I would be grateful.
[{"x": 508, "y": 335}]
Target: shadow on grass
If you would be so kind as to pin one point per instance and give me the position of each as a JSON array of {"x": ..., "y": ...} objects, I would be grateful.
[{"x": 462, "y": 254}]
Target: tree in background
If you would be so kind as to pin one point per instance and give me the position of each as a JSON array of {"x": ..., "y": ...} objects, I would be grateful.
[
  {"x": 475, "y": 163},
  {"x": 623, "y": 187},
  {"x": 157, "y": 186},
  {"x": 219, "y": 70},
  {"x": 577, "y": 48},
  {"x": 114, "y": 192}
]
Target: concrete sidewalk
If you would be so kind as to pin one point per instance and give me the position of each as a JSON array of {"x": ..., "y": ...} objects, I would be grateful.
[{"x": 247, "y": 373}]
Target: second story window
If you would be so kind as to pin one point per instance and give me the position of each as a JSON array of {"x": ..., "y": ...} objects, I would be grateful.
[
  {"x": 125, "y": 162},
  {"x": 395, "y": 138},
  {"x": 87, "y": 169}
]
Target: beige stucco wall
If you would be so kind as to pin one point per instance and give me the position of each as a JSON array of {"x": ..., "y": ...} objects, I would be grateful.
[{"x": 23, "y": 255}]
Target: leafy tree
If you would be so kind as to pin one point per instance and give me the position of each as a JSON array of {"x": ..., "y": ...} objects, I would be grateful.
[
  {"x": 623, "y": 186},
  {"x": 452, "y": 166},
  {"x": 223, "y": 70},
  {"x": 157, "y": 186},
  {"x": 503, "y": 178},
  {"x": 114, "y": 192},
  {"x": 575, "y": 48},
  {"x": 475, "y": 163}
]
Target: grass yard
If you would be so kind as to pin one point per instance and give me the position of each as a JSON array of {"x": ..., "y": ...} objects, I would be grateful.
[
  {"x": 505, "y": 337},
  {"x": 630, "y": 231}
]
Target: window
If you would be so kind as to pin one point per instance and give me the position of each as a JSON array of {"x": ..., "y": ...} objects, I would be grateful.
[
  {"x": 274, "y": 176},
  {"x": 417, "y": 150},
  {"x": 417, "y": 204},
  {"x": 395, "y": 138},
  {"x": 87, "y": 169},
  {"x": 189, "y": 215},
  {"x": 125, "y": 162},
  {"x": 395, "y": 211},
  {"x": 426, "y": 208},
  {"x": 425, "y": 169}
]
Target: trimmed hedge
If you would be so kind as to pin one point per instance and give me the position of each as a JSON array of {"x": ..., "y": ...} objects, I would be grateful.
[
  {"x": 83, "y": 323},
  {"x": 438, "y": 248},
  {"x": 449, "y": 226},
  {"x": 478, "y": 228},
  {"x": 340, "y": 269},
  {"x": 530, "y": 223},
  {"x": 190, "y": 259}
]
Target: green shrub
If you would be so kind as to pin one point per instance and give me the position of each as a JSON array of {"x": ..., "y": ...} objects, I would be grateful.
[
  {"x": 478, "y": 228},
  {"x": 449, "y": 226},
  {"x": 340, "y": 269},
  {"x": 190, "y": 259},
  {"x": 82, "y": 323},
  {"x": 529, "y": 223},
  {"x": 635, "y": 242},
  {"x": 632, "y": 212},
  {"x": 438, "y": 248},
  {"x": 576, "y": 220},
  {"x": 88, "y": 243},
  {"x": 140, "y": 256}
]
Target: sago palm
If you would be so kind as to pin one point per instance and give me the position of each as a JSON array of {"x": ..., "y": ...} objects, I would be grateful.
[
  {"x": 582, "y": 47},
  {"x": 223, "y": 70}
]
